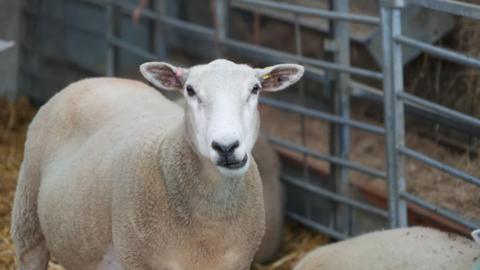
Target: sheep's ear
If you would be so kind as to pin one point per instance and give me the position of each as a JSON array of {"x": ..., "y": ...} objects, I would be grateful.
[
  {"x": 164, "y": 75},
  {"x": 279, "y": 77}
]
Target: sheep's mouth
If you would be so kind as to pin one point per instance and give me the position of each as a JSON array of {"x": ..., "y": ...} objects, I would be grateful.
[{"x": 232, "y": 164}]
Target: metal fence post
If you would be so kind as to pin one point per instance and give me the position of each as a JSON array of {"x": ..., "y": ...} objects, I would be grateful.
[
  {"x": 221, "y": 25},
  {"x": 341, "y": 140},
  {"x": 160, "y": 39},
  {"x": 157, "y": 34},
  {"x": 391, "y": 12},
  {"x": 111, "y": 33}
]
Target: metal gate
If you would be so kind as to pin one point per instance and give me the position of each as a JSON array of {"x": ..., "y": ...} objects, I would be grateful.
[
  {"x": 335, "y": 76},
  {"x": 396, "y": 98}
]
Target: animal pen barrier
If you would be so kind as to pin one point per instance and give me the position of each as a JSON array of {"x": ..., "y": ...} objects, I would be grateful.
[{"x": 336, "y": 76}]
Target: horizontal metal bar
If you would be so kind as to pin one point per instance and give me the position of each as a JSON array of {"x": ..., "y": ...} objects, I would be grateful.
[
  {"x": 144, "y": 53},
  {"x": 439, "y": 165},
  {"x": 282, "y": 56},
  {"x": 439, "y": 52},
  {"x": 360, "y": 90},
  {"x": 310, "y": 11},
  {"x": 439, "y": 109},
  {"x": 52, "y": 80},
  {"x": 207, "y": 32},
  {"x": 338, "y": 161},
  {"x": 316, "y": 226},
  {"x": 194, "y": 28},
  {"x": 452, "y": 7},
  {"x": 132, "y": 48},
  {"x": 305, "y": 60},
  {"x": 321, "y": 115},
  {"x": 149, "y": 56},
  {"x": 169, "y": 21},
  {"x": 48, "y": 18},
  {"x": 334, "y": 196},
  {"x": 42, "y": 57},
  {"x": 440, "y": 211},
  {"x": 92, "y": 2}
]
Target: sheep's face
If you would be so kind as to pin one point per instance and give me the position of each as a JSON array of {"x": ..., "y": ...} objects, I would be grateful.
[{"x": 221, "y": 114}]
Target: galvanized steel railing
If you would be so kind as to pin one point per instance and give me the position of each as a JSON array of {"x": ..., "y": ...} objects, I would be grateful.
[{"x": 394, "y": 97}]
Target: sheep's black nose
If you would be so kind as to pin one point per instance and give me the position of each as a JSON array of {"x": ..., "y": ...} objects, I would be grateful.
[{"x": 224, "y": 149}]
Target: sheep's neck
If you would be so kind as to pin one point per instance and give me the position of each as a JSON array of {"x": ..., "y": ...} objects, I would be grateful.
[{"x": 195, "y": 188}]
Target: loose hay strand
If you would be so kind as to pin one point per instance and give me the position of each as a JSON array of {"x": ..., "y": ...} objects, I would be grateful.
[{"x": 14, "y": 119}]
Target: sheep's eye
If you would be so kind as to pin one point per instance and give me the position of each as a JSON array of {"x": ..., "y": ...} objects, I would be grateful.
[
  {"x": 255, "y": 89},
  {"x": 190, "y": 91}
]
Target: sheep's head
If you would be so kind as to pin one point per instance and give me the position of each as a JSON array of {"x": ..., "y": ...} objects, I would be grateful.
[{"x": 221, "y": 110}]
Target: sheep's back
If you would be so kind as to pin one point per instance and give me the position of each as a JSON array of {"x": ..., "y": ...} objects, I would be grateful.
[
  {"x": 400, "y": 249},
  {"x": 86, "y": 107}
]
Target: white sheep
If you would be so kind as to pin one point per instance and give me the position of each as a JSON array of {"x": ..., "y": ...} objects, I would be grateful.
[
  {"x": 413, "y": 248},
  {"x": 269, "y": 168},
  {"x": 115, "y": 176},
  {"x": 268, "y": 165}
]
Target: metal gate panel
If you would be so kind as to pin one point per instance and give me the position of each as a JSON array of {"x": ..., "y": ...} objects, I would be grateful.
[{"x": 97, "y": 37}]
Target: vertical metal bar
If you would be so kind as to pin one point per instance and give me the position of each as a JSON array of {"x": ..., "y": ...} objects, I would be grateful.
[
  {"x": 172, "y": 10},
  {"x": 35, "y": 26},
  {"x": 299, "y": 52},
  {"x": 388, "y": 113},
  {"x": 23, "y": 81},
  {"x": 402, "y": 220},
  {"x": 221, "y": 24},
  {"x": 160, "y": 37},
  {"x": 111, "y": 33},
  {"x": 151, "y": 28},
  {"x": 341, "y": 43},
  {"x": 393, "y": 110},
  {"x": 329, "y": 88}
]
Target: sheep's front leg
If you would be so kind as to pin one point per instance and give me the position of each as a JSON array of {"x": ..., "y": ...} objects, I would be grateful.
[
  {"x": 129, "y": 257},
  {"x": 34, "y": 258},
  {"x": 110, "y": 261},
  {"x": 131, "y": 248},
  {"x": 131, "y": 240},
  {"x": 136, "y": 209}
]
